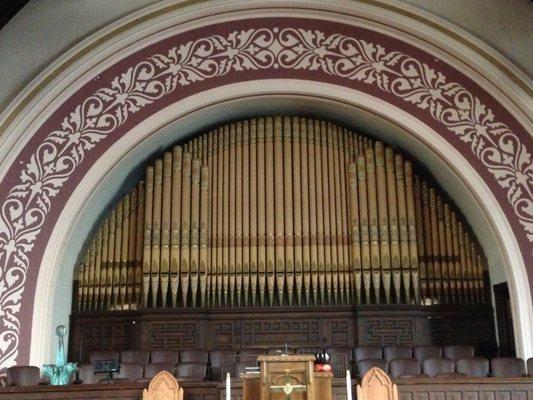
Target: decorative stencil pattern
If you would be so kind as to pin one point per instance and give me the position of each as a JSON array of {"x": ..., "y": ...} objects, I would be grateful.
[{"x": 28, "y": 203}]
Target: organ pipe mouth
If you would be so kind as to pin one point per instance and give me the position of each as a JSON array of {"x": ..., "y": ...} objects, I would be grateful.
[{"x": 281, "y": 211}]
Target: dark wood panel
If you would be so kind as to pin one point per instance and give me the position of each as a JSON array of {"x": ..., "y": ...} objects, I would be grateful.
[
  {"x": 409, "y": 389},
  {"x": 263, "y": 328}
]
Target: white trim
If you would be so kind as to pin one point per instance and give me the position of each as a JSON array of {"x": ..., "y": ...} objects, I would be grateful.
[{"x": 241, "y": 95}]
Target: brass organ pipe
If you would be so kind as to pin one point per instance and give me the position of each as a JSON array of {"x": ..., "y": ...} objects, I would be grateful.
[
  {"x": 256, "y": 197},
  {"x": 279, "y": 264},
  {"x": 411, "y": 231},
  {"x": 90, "y": 276},
  {"x": 420, "y": 241},
  {"x": 373, "y": 222},
  {"x": 301, "y": 212},
  {"x": 166, "y": 213},
  {"x": 97, "y": 270},
  {"x": 195, "y": 230},
  {"x": 232, "y": 215},
  {"x": 246, "y": 223},
  {"x": 185, "y": 239},
  {"x": 219, "y": 216},
  {"x": 212, "y": 275},
  {"x": 402, "y": 224},
  {"x": 364, "y": 226},
  {"x": 83, "y": 277},
  {"x": 393, "y": 223},
  {"x": 130, "y": 279},
  {"x": 383, "y": 220},
  {"x": 442, "y": 250},
  {"x": 288, "y": 207},
  {"x": 355, "y": 239},
  {"x": 148, "y": 204},
  {"x": 203, "y": 266},
  {"x": 338, "y": 272},
  {"x": 344, "y": 216},
  {"x": 428, "y": 242},
  {"x": 449, "y": 254},
  {"x": 156, "y": 231},
  {"x": 124, "y": 251},
  {"x": 435, "y": 245},
  {"x": 175, "y": 234},
  {"x": 117, "y": 252},
  {"x": 464, "y": 271},
  {"x": 320, "y": 213},
  {"x": 238, "y": 209},
  {"x": 103, "y": 271},
  {"x": 469, "y": 274},
  {"x": 309, "y": 201},
  {"x": 226, "y": 218},
  {"x": 261, "y": 210},
  {"x": 139, "y": 245},
  {"x": 270, "y": 208},
  {"x": 110, "y": 259},
  {"x": 327, "y": 179},
  {"x": 330, "y": 166}
]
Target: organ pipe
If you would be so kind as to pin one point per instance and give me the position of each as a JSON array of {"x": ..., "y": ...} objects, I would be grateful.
[{"x": 279, "y": 211}]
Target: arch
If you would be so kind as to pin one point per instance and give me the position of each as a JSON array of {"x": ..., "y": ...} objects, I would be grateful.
[{"x": 116, "y": 98}]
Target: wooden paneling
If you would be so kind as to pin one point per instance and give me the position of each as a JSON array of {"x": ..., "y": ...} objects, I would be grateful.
[{"x": 299, "y": 326}]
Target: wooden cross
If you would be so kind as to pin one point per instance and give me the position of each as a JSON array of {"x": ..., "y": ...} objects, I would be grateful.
[{"x": 288, "y": 387}]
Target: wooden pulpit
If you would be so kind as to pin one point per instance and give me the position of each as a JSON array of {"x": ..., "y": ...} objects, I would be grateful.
[{"x": 285, "y": 377}]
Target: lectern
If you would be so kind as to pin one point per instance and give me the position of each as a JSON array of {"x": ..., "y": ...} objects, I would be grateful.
[{"x": 284, "y": 377}]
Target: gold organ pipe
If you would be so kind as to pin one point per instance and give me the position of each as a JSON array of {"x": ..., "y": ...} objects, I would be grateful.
[
  {"x": 278, "y": 217},
  {"x": 435, "y": 245},
  {"x": 185, "y": 240},
  {"x": 147, "y": 252},
  {"x": 175, "y": 233},
  {"x": 246, "y": 217},
  {"x": 124, "y": 252},
  {"x": 411, "y": 231},
  {"x": 203, "y": 266},
  {"x": 373, "y": 221},
  {"x": 383, "y": 220},
  {"x": 364, "y": 227},
  {"x": 226, "y": 218},
  {"x": 327, "y": 179},
  {"x": 90, "y": 275},
  {"x": 335, "y": 153},
  {"x": 309, "y": 210},
  {"x": 271, "y": 203},
  {"x": 262, "y": 191},
  {"x": 431, "y": 288},
  {"x": 232, "y": 222},
  {"x": 344, "y": 238},
  {"x": 166, "y": 213},
  {"x": 394, "y": 224},
  {"x": 288, "y": 206},
  {"x": 320, "y": 213},
  {"x": 111, "y": 260},
  {"x": 103, "y": 271},
  {"x": 212, "y": 274},
  {"x": 449, "y": 254},
  {"x": 355, "y": 238},
  {"x": 402, "y": 224},
  {"x": 256, "y": 207},
  {"x": 139, "y": 245},
  {"x": 117, "y": 252},
  {"x": 420, "y": 242},
  {"x": 442, "y": 250},
  {"x": 97, "y": 270},
  {"x": 301, "y": 211},
  {"x": 238, "y": 211},
  {"x": 156, "y": 231},
  {"x": 194, "y": 237},
  {"x": 130, "y": 278}
]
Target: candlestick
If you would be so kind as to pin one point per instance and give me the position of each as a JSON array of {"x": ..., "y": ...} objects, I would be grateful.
[
  {"x": 348, "y": 385},
  {"x": 228, "y": 387}
]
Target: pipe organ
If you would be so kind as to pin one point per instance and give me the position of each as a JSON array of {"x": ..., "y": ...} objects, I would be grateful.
[{"x": 281, "y": 211}]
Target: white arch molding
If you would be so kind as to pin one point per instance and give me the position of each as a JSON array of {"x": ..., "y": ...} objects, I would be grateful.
[
  {"x": 87, "y": 60},
  {"x": 179, "y": 120}
]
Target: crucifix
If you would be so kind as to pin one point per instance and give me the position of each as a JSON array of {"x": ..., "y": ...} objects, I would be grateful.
[{"x": 288, "y": 387}]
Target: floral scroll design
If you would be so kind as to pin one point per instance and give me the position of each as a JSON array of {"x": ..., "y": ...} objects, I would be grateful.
[{"x": 24, "y": 211}]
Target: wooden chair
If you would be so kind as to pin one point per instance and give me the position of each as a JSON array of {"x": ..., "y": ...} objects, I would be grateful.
[
  {"x": 376, "y": 385},
  {"x": 163, "y": 387}
]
